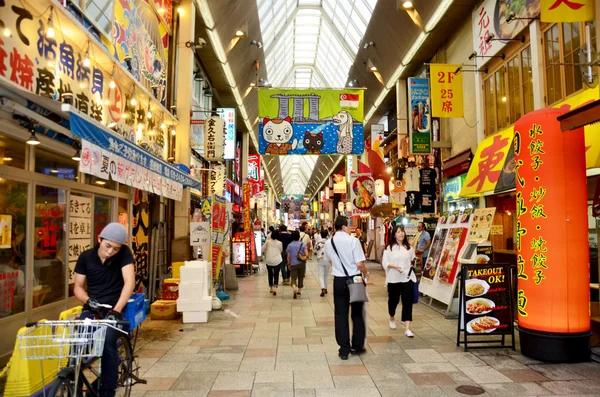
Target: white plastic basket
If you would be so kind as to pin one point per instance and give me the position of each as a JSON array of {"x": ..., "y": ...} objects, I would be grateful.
[{"x": 63, "y": 339}]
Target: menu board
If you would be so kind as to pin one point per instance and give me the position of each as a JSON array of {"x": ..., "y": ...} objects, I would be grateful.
[
  {"x": 435, "y": 252},
  {"x": 80, "y": 230},
  {"x": 485, "y": 301},
  {"x": 482, "y": 223},
  {"x": 449, "y": 259}
]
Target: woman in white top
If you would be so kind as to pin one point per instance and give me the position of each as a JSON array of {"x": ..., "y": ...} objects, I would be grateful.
[
  {"x": 272, "y": 249},
  {"x": 324, "y": 265},
  {"x": 397, "y": 262}
]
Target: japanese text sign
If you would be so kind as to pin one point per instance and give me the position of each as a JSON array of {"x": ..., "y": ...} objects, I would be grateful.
[
  {"x": 551, "y": 229},
  {"x": 419, "y": 120},
  {"x": 490, "y": 18},
  {"x": 246, "y": 203},
  {"x": 446, "y": 91},
  {"x": 214, "y": 136},
  {"x": 228, "y": 115},
  {"x": 567, "y": 10},
  {"x": 217, "y": 179},
  {"x": 487, "y": 164},
  {"x": 253, "y": 168}
]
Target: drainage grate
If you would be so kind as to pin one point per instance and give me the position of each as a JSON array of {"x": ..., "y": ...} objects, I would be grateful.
[
  {"x": 470, "y": 390},
  {"x": 187, "y": 330}
]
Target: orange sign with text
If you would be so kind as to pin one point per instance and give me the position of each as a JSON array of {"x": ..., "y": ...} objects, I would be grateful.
[
  {"x": 446, "y": 91},
  {"x": 567, "y": 10},
  {"x": 551, "y": 230},
  {"x": 246, "y": 203}
]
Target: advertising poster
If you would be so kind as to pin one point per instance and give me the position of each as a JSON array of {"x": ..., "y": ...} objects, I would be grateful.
[
  {"x": 297, "y": 206},
  {"x": 449, "y": 258},
  {"x": 5, "y": 231},
  {"x": 420, "y": 117},
  {"x": 239, "y": 253},
  {"x": 435, "y": 253},
  {"x": 482, "y": 223},
  {"x": 377, "y": 132},
  {"x": 486, "y": 304},
  {"x": 362, "y": 193},
  {"x": 220, "y": 224},
  {"x": 310, "y": 121},
  {"x": 200, "y": 237},
  {"x": 80, "y": 229},
  {"x": 490, "y": 18}
]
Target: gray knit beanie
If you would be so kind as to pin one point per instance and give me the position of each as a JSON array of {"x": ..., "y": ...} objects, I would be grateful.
[{"x": 115, "y": 232}]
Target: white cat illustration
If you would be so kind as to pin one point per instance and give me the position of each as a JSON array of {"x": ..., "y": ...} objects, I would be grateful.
[
  {"x": 279, "y": 132},
  {"x": 343, "y": 120}
]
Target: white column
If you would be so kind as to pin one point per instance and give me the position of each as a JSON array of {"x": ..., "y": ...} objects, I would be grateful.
[
  {"x": 185, "y": 67},
  {"x": 479, "y": 107},
  {"x": 537, "y": 64}
]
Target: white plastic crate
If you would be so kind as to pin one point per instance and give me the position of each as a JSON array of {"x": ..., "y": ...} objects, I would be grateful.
[
  {"x": 195, "y": 317},
  {"x": 194, "y": 291},
  {"x": 194, "y": 305}
]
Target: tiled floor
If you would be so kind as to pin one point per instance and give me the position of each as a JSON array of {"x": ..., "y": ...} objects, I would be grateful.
[{"x": 276, "y": 346}]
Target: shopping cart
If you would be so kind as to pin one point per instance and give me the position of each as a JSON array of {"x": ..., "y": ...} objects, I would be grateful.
[{"x": 75, "y": 343}]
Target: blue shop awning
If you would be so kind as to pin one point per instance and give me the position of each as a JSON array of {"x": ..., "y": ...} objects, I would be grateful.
[{"x": 89, "y": 129}]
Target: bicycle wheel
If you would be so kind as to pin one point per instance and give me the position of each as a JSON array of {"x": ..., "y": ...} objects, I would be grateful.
[
  {"x": 64, "y": 385},
  {"x": 125, "y": 366}
]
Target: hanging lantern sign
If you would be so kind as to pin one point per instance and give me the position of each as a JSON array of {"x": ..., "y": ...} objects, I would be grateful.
[
  {"x": 349, "y": 206},
  {"x": 214, "y": 137},
  {"x": 379, "y": 187},
  {"x": 326, "y": 192},
  {"x": 341, "y": 207}
]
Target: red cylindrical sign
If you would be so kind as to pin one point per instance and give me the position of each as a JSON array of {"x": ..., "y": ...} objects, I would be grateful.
[{"x": 552, "y": 241}]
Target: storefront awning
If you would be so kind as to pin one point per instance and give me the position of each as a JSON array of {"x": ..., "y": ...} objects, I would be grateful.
[
  {"x": 492, "y": 154},
  {"x": 89, "y": 129}
]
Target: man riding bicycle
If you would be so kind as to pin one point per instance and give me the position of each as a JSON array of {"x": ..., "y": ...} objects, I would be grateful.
[{"x": 110, "y": 274}]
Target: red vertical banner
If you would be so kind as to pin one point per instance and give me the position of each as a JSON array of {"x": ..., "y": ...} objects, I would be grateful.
[
  {"x": 552, "y": 241},
  {"x": 253, "y": 168},
  {"x": 246, "y": 203}
]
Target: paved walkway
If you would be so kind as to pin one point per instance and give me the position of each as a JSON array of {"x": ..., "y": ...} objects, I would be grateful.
[{"x": 277, "y": 346}]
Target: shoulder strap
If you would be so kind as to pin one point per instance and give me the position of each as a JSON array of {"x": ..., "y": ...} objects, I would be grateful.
[{"x": 340, "y": 258}]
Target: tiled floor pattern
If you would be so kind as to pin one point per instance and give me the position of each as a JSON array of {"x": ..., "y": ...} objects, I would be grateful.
[{"x": 276, "y": 346}]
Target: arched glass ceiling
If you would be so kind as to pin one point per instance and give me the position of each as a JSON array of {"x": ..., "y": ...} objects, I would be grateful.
[{"x": 312, "y": 43}]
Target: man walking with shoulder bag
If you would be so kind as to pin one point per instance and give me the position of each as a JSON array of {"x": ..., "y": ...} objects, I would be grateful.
[{"x": 349, "y": 273}]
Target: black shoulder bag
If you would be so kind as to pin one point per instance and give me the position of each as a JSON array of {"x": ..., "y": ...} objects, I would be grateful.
[{"x": 358, "y": 291}]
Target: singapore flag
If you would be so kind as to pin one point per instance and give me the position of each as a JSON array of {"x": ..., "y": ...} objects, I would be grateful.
[{"x": 349, "y": 101}]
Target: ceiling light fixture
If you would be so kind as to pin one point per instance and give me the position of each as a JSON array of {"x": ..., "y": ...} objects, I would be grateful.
[
  {"x": 50, "y": 32},
  {"x": 86, "y": 58},
  {"x": 253, "y": 84},
  {"x": 112, "y": 83},
  {"x": 407, "y": 4},
  {"x": 180, "y": 11},
  {"x": 149, "y": 112},
  {"x": 6, "y": 32},
  {"x": 239, "y": 33},
  {"x": 54, "y": 171},
  {"x": 33, "y": 139},
  {"x": 77, "y": 155},
  {"x": 173, "y": 132},
  {"x": 7, "y": 159},
  {"x": 101, "y": 183}
]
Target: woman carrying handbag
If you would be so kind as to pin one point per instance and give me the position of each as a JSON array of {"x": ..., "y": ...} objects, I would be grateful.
[
  {"x": 297, "y": 254},
  {"x": 398, "y": 261}
]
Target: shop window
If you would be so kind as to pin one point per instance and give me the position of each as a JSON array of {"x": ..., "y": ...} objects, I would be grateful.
[
  {"x": 508, "y": 92},
  {"x": 50, "y": 163},
  {"x": 12, "y": 152},
  {"x": 13, "y": 226},
  {"x": 100, "y": 13},
  {"x": 124, "y": 188},
  {"x": 49, "y": 246},
  {"x": 562, "y": 44},
  {"x": 102, "y": 214},
  {"x": 99, "y": 182}
]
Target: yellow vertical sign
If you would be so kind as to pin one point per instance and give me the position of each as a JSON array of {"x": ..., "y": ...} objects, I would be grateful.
[
  {"x": 446, "y": 91},
  {"x": 567, "y": 10}
]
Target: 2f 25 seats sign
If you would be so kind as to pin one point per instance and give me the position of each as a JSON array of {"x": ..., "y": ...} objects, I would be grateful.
[{"x": 310, "y": 121}]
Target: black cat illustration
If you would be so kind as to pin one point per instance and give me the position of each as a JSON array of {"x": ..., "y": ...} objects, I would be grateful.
[{"x": 313, "y": 143}]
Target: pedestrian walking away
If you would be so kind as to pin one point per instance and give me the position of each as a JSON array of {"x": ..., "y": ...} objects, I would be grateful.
[
  {"x": 353, "y": 257},
  {"x": 324, "y": 267},
  {"x": 286, "y": 238},
  {"x": 398, "y": 262},
  {"x": 297, "y": 254},
  {"x": 273, "y": 249}
]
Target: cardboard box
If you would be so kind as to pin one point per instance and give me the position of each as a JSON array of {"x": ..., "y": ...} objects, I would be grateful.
[{"x": 164, "y": 310}]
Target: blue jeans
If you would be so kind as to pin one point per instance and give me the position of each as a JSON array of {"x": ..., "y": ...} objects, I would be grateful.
[
  {"x": 284, "y": 270},
  {"x": 273, "y": 272}
]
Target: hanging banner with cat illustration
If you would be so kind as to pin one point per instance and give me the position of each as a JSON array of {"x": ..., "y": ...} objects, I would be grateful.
[
  {"x": 297, "y": 206},
  {"x": 310, "y": 121},
  {"x": 362, "y": 188}
]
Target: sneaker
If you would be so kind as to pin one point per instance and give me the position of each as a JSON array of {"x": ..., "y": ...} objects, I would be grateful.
[
  {"x": 295, "y": 295},
  {"x": 392, "y": 324},
  {"x": 360, "y": 350},
  {"x": 409, "y": 333}
]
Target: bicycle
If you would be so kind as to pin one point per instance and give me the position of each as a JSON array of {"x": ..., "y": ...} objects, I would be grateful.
[{"x": 81, "y": 342}]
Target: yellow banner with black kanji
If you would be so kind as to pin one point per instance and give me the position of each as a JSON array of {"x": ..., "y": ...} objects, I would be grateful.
[
  {"x": 446, "y": 91},
  {"x": 567, "y": 10}
]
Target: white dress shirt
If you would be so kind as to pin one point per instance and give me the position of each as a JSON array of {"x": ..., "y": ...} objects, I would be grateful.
[
  {"x": 398, "y": 256},
  {"x": 350, "y": 251}
]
